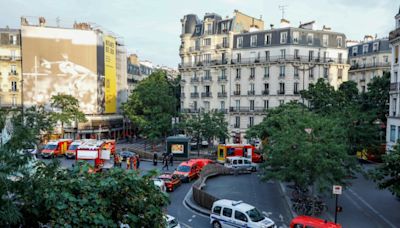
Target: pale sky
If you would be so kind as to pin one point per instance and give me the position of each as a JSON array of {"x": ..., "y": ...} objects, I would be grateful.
[{"x": 151, "y": 28}]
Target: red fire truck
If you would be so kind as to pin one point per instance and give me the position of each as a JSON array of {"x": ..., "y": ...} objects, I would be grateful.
[
  {"x": 243, "y": 150},
  {"x": 93, "y": 151},
  {"x": 55, "y": 148}
]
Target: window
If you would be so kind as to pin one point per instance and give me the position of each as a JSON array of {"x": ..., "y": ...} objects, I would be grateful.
[
  {"x": 195, "y": 105},
  {"x": 311, "y": 73},
  {"x": 267, "y": 55},
  {"x": 298, "y": 226},
  {"x": 295, "y": 37},
  {"x": 207, "y": 42},
  {"x": 283, "y": 53},
  {"x": 238, "y": 57},
  {"x": 340, "y": 58},
  {"x": 268, "y": 37},
  {"x": 227, "y": 212},
  {"x": 197, "y": 29},
  {"x": 251, "y": 120},
  {"x": 310, "y": 55},
  {"x": 355, "y": 50},
  {"x": 340, "y": 73},
  {"x": 207, "y": 58},
  {"x": 339, "y": 41},
  {"x": 14, "y": 100},
  {"x": 398, "y": 132},
  {"x": 281, "y": 88},
  {"x": 325, "y": 40},
  {"x": 296, "y": 54},
  {"x": 281, "y": 102},
  {"x": 206, "y": 106},
  {"x": 237, "y": 102},
  {"x": 394, "y": 106},
  {"x": 326, "y": 72},
  {"x": 385, "y": 59},
  {"x": 252, "y": 105},
  {"x": 239, "y": 41},
  {"x": 253, "y": 41},
  {"x": 209, "y": 28},
  {"x": 195, "y": 89},
  {"x": 375, "y": 47},
  {"x": 283, "y": 37},
  {"x": 207, "y": 74},
  {"x": 365, "y": 48},
  {"x": 310, "y": 39},
  {"x": 252, "y": 87},
  {"x": 223, "y": 73},
  {"x": 14, "y": 69},
  {"x": 392, "y": 133},
  {"x": 225, "y": 42},
  {"x": 240, "y": 162},
  {"x": 266, "y": 104},
  {"x": 296, "y": 72},
  {"x": 266, "y": 72},
  {"x": 237, "y": 122},
  {"x": 12, "y": 53},
  {"x": 14, "y": 86},
  {"x": 266, "y": 89},
  {"x": 222, "y": 88},
  {"x": 282, "y": 71},
  {"x": 222, "y": 105},
  {"x": 238, "y": 73},
  {"x": 252, "y": 72},
  {"x": 217, "y": 210},
  {"x": 296, "y": 88},
  {"x": 363, "y": 89}
]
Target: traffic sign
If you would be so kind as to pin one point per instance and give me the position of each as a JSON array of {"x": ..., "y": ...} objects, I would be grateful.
[{"x": 337, "y": 189}]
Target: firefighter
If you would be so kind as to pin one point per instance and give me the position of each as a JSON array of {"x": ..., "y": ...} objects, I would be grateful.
[
  {"x": 128, "y": 163},
  {"x": 134, "y": 159}
]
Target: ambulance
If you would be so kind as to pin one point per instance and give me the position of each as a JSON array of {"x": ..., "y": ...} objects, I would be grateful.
[{"x": 55, "y": 148}]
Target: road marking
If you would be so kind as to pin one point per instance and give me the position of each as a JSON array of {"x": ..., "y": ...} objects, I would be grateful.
[
  {"x": 193, "y": 216},
  {"x": 189, "y": 209},
  {"x": 190, "y": 220},
  {"x": 268, "y": 214},
  {"x": 371, "y": 208},
  {"x": 281, "y": 217},
  {"x": 185, "y": 225},
  {"x": 283, "y": 226}
]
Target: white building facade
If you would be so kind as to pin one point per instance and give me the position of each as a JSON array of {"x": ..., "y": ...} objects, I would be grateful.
[
  {"x": 393, "y": 120},
  {"x": 368, "y": 59}
]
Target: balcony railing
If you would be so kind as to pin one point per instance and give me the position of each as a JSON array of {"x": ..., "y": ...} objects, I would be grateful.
[
  {"x": 247, "y": 109},
  {"x": 10, "y": 58},
  {"x": 206, "y": 94},
  {"x": 281, "y": 75},
  {"x": 190, "y": 110},
  {"x": 265, "y": 92},
  {"x": 222, "y": 78},
  {"x": 394, "y": 86},
  {"x": 289, "y": 58},
  {"x": 370, "y": 65},
  {"x": 394, "y": 34},
  {"x": 252, "y": 77},
  {"x": 222, "y": 94},
  {"x": 251, "y": 92},
  {"x": 194, "y": 95},
  {"x": 223, "y": 45},
  {"x": 194, "y": 79},
  {"x": 266, "y": 76},
  {"x": 206, "y": 79},
  {"x": 280, "y": 92},
  {"x": 183, "y": 95},
  {"x": 236, "y": 93}
]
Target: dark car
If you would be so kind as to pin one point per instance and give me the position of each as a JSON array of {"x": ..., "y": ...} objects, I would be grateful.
[
  {"x": 171, "y": 181},
  {"x": 126, "y": 154}
]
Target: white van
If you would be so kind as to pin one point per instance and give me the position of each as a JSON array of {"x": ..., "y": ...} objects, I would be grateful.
[
  {"x": 240, "y": 163},
  {"x": 229, "y": 213}
]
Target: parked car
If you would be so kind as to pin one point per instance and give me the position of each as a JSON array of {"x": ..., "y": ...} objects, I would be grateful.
[
  {"x": 202, "y": 162},
  {"x": 160, "y": 184},
  {"x": 307, "y": 221},
  {"x": 126, "y": 154},
  {"x": 229, "y": 213},
  {"x": 187, "y": 171},
  {"x": 240, "y": 163},
  {"x": 171, "y": 181},
  {"x": 172, "y": 222}
]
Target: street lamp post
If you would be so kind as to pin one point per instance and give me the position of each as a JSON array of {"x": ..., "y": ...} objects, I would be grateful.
[{"x": 303, "y": 68}]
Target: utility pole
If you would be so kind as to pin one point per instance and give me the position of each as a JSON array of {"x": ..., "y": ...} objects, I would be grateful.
[{"x": 283, "y": 9}]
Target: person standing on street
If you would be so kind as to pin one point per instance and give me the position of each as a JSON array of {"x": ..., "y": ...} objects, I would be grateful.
[
  {"x": 155, "y": 157},
  {"x": 128, "y": 163},
  {"x": 171, "y": 159},
  {"x": 138, "y": 160},
  {"x": 165, "y": 162}
]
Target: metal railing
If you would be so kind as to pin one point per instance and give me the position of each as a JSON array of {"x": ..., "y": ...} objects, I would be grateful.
[
  {"x": 251, "y": 92},
  {"x": 394, "y": 86},
  {"x": 247, "y": 109},
  {"x": 206, "y": 79},
  {"x": 194, "y": 79},
  {"x": 369, "y": 65},
  {"x": 194, "y": 95},
  {"x": 280, "y": 92},
  {"x": 206, "y": 94},
  {"x": 265, "y": 92},
  {"x": 222, "y": 94},
  {"x": 236, "y": 93},
  {"x": 222, "y": 78},
  {"x": 190, "y": 110}
]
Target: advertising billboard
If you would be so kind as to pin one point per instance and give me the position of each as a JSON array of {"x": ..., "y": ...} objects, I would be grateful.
[
  {"x": 177, "y": 148},
  {"x": 110, "y": 72},
  {"x": 59, "y": 61}
]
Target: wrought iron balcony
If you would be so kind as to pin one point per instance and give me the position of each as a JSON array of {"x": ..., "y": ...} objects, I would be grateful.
[
  {"x": 194, "y": 95},
  {"x": 222, "y": 94},
  {"x": 206, "y": 94}
]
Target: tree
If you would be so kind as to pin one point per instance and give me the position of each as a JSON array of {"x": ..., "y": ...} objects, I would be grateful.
[
  {"x": 321, "y": 97},
  {"x": 79, "y": 198},
  {"x": 387, "y": 175},
  {"x": 66, "y": 110},
  {"x": 305, "y": 148},
  {"x": 151, "y": 106}
]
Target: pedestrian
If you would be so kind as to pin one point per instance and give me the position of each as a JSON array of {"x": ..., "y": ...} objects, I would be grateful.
[
  {"x": 128, "y": 163},
  {"x": 138, "y": 160},
  {"x": 134, "y": 161},
  {"x": 155, "y": 157},
  {"x": 165, "y": 162},
  {"x": 171, "y": 159}
]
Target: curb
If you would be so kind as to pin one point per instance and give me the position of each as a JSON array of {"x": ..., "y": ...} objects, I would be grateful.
[
  {"x": 288, "y": 201},
  {"x": 196, "y": 208}
]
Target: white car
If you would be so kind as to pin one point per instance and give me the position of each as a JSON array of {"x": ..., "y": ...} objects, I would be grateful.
[
  {"x": 160, "y": 184},
  {"x": 229, "y": 213},
  {"x": 240, "y": 163},
  {"x": 172, "y": 222}
]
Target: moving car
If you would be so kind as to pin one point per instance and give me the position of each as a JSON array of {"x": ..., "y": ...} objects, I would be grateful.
[
  {"x": 171, "y": 181},
  {"x": 307, "y": 221},
  {"x": 172, "y": 222},
  {"x": 240, "y": 163},
  {"x": 187, "y": 171},
  {"x": 126, "y": 154},
  {"x": 229, "y": 213}
]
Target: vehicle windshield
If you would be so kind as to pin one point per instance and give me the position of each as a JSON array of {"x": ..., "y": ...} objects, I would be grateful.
[
  {"x": 172, "y": 223},
  {"x": 255, "y": 215},
  {"x": 73, "y": 147},
  {"x": 50, "y": 147},
  {"x": 183, "y": 168}
]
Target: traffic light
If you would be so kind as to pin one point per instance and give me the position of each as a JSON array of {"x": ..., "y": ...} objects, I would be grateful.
[{"x": 339, "y": 209}]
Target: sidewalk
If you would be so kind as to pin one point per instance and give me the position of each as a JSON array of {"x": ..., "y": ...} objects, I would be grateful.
[{"x": 189, "y": 201}]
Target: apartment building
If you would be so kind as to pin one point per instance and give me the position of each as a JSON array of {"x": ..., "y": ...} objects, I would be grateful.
[
  {"x": 258, "y": 70},
  {"x": 137, "y": 71},
  {"x": 393, "y": 120},
  {"x": 10, "y": 67},
  {"x": 368, "y": 59}
]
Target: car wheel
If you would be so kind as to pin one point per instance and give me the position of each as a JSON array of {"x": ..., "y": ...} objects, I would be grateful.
[{"x": 216, "y": 224}]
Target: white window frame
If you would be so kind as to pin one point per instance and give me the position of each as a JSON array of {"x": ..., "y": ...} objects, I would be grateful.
[
  {"x": 268, "y": 39},
  {"x": 239, "y": 42},
  {"x": 375, "y": 47},
  {"x": 325, "y": 40},
  {"x": 284, "y": 37},
  {"x": 295, "y": 38},
  {"x": 308, "y": 39},
  {"x": 365, "y": 48},
  {"x": 253, "y": 41},
  {"x": 339, "y": 41},
  {"x": 354, "y": 51}
]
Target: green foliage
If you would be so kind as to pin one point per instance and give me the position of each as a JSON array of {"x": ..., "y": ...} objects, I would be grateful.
[
  {"x": 317, "y": 159},
  {"x": 66, "y": 110},
  {"x": 78, "y": 198},
  {"x": 152, "y": 105},
  {"x": 321, "y": 97},
  {"x": 388, "y": 173}
]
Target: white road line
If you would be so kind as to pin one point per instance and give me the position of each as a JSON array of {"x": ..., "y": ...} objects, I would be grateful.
[
  {"x": 193, "y": 216},
  {"x": 189, "y": 209},
  {"x": 185, "y": 225},
  {"x": 371, "y": 208},
  {"x": 268, "y": 214},
  {"x": 281, "y": 217},
  {"x": 190, "y": 220}
]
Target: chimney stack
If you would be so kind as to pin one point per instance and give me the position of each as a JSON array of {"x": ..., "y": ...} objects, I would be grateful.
[{"x": 285, "y": 23}]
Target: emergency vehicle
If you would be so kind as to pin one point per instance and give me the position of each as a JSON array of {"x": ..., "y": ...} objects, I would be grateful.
[
  {"x": 93, "y": 152},
  {"x": 307, "y": 221},
  {"x": 71, "y": 152},
  {"x": 242, "y": 150},
  {"x": 110, "y": 145},
  {"x": 55, "y": 148}
]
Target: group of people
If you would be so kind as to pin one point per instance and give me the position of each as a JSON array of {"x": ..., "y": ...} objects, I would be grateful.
[
  {"x": 168, "y": 159},
  {"x": 132, "y": 162}
]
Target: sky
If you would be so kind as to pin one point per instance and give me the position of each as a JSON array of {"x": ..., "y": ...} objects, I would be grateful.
[{"x": 151, "y": 28}]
